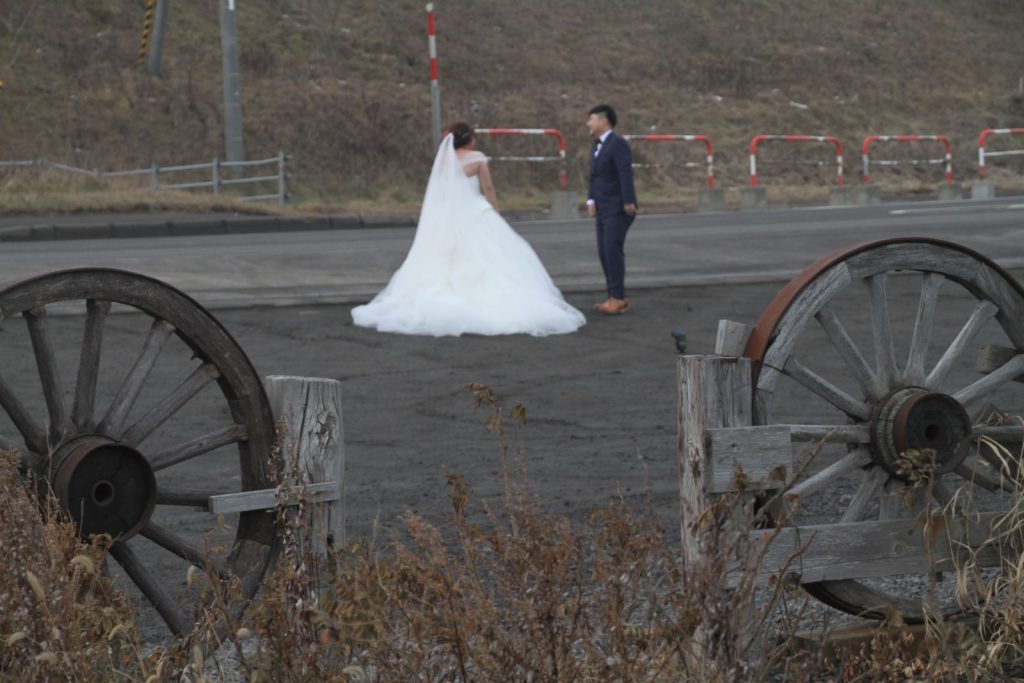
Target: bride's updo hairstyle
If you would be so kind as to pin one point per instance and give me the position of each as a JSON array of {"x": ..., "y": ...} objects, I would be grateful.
[{"x": 462, "y": 134}]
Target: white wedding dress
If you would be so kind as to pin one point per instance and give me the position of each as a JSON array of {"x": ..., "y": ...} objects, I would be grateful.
[{"x": 467, "y": 271}]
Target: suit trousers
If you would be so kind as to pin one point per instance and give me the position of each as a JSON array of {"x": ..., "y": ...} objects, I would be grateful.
[{"x": 611, "y": 240}]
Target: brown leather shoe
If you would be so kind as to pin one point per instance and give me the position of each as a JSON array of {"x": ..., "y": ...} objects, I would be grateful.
[
  {"x": 598, "y": 307},
  {"x": 614, "y": 306}
]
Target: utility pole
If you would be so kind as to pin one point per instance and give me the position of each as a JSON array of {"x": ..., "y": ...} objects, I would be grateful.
[
  {"x": 159, "y": 29},
  {"x": 232, "y": 82}
]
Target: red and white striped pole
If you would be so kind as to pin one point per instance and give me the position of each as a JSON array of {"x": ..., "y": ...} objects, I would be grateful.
[{"x": 435, "y": 88}]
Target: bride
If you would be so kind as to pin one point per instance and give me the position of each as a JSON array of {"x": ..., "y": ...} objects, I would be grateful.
[{"x": 467, "y": 271}]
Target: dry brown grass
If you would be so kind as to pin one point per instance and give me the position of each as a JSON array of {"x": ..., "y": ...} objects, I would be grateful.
[
  {"x": 343, "y": 86},
  {"x": 54, "y": 191},
  {"x": 60, "y": 619},
  {"x": 501, "y": 591}
]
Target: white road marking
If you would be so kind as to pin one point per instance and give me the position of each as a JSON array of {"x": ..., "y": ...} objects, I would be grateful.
[{"x": 1008, "y": 207}]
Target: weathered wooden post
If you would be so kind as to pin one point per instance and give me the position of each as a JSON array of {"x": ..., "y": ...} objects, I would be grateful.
[
  {"x": 309, "y": 408},
  {"x": 714, "y": 392}
]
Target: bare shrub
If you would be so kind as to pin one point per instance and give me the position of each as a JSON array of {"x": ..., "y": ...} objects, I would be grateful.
[
  {"x": 508, "y": 593},
  {"x": 60, "y": 618},
  {"x": 502, "y": 591}
]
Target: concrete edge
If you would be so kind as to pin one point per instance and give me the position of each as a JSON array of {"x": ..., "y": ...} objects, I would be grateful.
[
  {"x": 111, "y": 229},
  {"x": 202, "y": 226}
]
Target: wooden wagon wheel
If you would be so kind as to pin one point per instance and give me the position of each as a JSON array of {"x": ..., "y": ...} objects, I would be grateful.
[
  {"x": 880, "y": 409},
  {"x": 100, "y": 460}
]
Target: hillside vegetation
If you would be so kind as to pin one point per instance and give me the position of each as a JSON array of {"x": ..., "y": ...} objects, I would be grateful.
[{"x": 342, "y": 86}]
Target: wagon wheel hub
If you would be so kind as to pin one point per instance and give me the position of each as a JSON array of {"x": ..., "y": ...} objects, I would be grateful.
[
  {"x": 105, "y": 487},
  {"x": 912, "y": 419}
]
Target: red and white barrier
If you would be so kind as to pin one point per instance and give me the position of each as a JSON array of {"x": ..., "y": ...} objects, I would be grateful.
[
  {"x": 709, "y": 149},
  {"x": 869, "y": 140},
  {"x": 985, "y": 134},
  {"x": 834, "y": 141},
  {"x": 563, "y": 175}
]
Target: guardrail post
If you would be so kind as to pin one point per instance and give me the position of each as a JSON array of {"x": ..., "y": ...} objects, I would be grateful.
[
  {"x": 983, "y": 189},
  {"x": 869, "y": 194},
  {"x": 564, "y": 204},
  {"x": 215, "y": 173},
  {"x": 709, "y": 199},
  {"x": 154, "y": 180},
  {"x": 282, "y": 194},
  {"x": 754, "y": 198}
]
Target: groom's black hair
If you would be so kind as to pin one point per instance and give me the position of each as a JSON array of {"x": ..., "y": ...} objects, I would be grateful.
[{"x": 606, "y": 111}]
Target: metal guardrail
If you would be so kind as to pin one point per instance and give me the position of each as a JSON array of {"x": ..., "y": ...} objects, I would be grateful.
[{"x": 216, "y": 168}]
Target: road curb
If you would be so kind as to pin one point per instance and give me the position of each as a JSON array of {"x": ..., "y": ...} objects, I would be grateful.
[
  {"x": 253, "y": 224},
  {"x": 214, "y": 225}
]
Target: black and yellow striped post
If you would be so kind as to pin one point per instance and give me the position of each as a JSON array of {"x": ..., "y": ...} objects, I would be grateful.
[{"x": 147, "y": 29}]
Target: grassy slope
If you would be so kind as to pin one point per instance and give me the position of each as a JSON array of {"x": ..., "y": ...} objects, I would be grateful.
[{"x": 342, "y": 85}]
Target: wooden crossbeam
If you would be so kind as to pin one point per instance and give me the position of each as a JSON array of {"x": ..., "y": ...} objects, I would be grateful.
[
  {"x": 265, "y": 499},
  {"x": 831, "y": 552}
]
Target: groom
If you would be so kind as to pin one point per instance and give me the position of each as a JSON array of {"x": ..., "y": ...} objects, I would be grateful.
[{"x": 611, "y": 199}]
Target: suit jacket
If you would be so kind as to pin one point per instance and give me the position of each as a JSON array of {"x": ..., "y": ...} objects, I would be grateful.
[{"x": 611, "y": 176}]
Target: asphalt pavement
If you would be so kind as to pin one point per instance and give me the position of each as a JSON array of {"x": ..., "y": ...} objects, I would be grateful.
[{"x": 293, "y": 265}]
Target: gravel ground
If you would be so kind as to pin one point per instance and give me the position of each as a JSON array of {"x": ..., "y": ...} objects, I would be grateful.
[{"x": 601, "y": 402}]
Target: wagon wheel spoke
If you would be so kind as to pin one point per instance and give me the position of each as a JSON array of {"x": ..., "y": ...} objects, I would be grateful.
[
  {"x": 921, "y": 338},
  {"x": 859, "y": 457},
  {"x": 949, "y": 498},
  {"x": 46, "y": 363},
  {"x": 898, "y": 501},
  {"x": 851, "y": 355},
  {"x": 995, "y": 461},
  {"x": 982, "y": 313},
  {"x": 178, "y": 546},
  {"x": 29, "y": 459},
  {"x": 171, "y": 404},
  {"x": 826, "y": 390},
  {"x": 1006, "y": 372},
  {"x": 869, "y": 489},
  {"x": 89, "y": 364},
  {"x": 1012, "y": 433},
  {"x": 30, "y": 430},
  {"x": 8, "y": 445},
  {"x": 176, "y": 619},
  {"x": 190, "y": 449},
  {"x": 857, "y": 433},
  {"x": 974, "y": 474},
  {"x": 190, "y": 498},
  {"x": 998, "y": 456},
  {"x": 126, "y": 396},
  {"x": 885, "y": 353}
]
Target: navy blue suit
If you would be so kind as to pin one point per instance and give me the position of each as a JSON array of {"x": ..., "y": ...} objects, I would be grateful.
[{"x": 611, "y": 187}]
